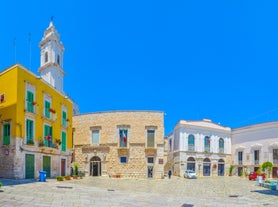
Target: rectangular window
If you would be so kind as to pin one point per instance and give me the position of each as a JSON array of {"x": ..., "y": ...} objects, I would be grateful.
[
  {"x": 95, "y": 137},
  {"x": 150, "y": 160},
  {"x": 64, "y": 118},
  {"x": 257, "y": 157},
  {"x": 29, "y": 131},
  {"x": 46, "y": 109},
  {"x": 48, "y": 135},
  {"x": 30, "y": 101},
  {"x": 123, "y": 137},
  {"x": 150, "y": 138},
  {"x": 123, "y": 160},
  {"x": 6, "y": 134},
  {"x": 275, "y": 156},
  {"x": 64, "y": 141},
  {"x": 240, "y": 155}
]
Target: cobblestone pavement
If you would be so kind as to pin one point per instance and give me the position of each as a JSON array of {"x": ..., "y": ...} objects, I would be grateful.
[{"x": 104, "y": 191}]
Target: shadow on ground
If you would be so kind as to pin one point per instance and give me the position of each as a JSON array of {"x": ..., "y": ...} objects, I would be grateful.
[{"x": 11, "y": 182}]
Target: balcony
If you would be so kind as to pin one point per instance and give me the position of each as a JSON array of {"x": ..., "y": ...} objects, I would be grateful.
[
  {"x": 123, "y": 150},
  {"x": 221, "y": 150},
  {"x": 150, "y": 150},
  {"x": 191, "y": 148},
  {"x": 256, "y": 162},
  {"x": 240, "y": 162},
  {"x": 275, "y": 161},
  {"x": 207, "y": 149}
]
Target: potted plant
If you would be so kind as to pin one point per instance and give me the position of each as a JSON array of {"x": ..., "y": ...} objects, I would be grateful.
[
  {"x": 231, "y": 170},
  {"x": 30, "y": 142},
  {"x": 0, "y": 184},
  {"x": 67, "y": 177},
  {"x": 80, "y": 176},
  {"x": 59, "y": 178}
]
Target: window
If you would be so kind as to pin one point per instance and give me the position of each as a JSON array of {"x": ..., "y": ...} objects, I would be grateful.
[
  {"x": 150, "y": 160},
  {"x": 46, "y": 57},
  {"x": 95, "y": 137},
  {"x": 30, "y": 101},
  {"x": 47, "y": 109},
  {"x": 240, "y": 156},
  {"x": 191, "y": 142},
  {"x": 64, "y": 141},
  {"x": 6, "y": 133},
  {"x": 123, "y": 160},
  {"x": 48, "y": 135},
  {"x": 2, "y": 98},
  {"x": 275, "y": 156},
  {"x": 123, "y": 137},
  {"x": 207, "y": 144},
  {"x": 64, "y": 118},
  {"x": 58, "y": 59},
  {"x": 29, "y": 131},
  {"x": 257, "y": 157},
  {"x": 150, "y": 138},
  {"x": 221, "y": 145}
]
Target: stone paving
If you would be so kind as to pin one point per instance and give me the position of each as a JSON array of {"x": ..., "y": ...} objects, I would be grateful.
[{"x": 104, "y": 191}]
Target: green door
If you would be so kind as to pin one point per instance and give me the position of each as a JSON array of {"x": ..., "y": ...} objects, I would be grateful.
[
  {"x": 29, "y": 166},
  {"x": 47, "y": 165}
]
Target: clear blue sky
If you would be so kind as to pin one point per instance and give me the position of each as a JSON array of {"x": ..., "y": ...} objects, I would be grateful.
[{"x": 190, "y": 59}]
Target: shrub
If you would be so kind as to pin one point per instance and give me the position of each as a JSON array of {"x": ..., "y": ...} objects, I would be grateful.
[
  {"x": 0, "y": 184},
  {"x": 60, "y": 178}
]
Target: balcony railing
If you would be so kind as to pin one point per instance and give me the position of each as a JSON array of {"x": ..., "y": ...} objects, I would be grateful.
[
  {"x": 256, "y": 162},
  {"x": 207, "y": 149},
  {"x": 240, "y": 162},
  {"x": 221, "y": 150},
  {"x": 275, "y": 161},
  {"x": 191, "y": 148}
]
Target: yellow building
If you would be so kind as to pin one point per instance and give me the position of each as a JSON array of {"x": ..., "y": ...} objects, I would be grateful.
[{"x": 36, "y": 116}]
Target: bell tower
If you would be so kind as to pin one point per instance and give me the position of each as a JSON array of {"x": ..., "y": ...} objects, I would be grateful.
[{"x": 52, "y": 52}]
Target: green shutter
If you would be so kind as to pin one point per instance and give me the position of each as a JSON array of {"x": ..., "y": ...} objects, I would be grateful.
[
  {"x": 30, "y": 129},
  {"x": 46, "y": 109},
  {"x": 7, "y": 134},
  {"x": 64, "y": 140},
  {"x": 30, "y": 99},
  {"x": 64, "y": 118},
  {"x": 150, "y": 138}
]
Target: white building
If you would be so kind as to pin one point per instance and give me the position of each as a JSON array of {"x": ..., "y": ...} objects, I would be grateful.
[
  {"x": 202, "y": 146},
  {"x": 253, "y": 145}
]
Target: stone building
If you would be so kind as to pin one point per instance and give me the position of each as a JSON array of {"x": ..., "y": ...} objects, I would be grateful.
[
  {"x": 202, "y": 146},
  {"x": 253, "y": 145},
  {"x": 36, "y": 116},
  {"x": 120, "y": 143}
]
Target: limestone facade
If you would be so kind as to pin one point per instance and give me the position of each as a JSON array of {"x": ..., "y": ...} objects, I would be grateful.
[{"x": 120, "y": 143}]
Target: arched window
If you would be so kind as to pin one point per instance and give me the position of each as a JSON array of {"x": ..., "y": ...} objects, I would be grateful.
[
  {"x": 221, "y": 145},
  {"x": 207, "y": 144},
  {"x": 191, "y": 142},
  {"x": 58, "y": 59},
  {"x": 46, "y": 57}
]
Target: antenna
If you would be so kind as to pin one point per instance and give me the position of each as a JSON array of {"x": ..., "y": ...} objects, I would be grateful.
[
  {"x": 30, "y": 49},
  {"x": 14, "y": 44}
]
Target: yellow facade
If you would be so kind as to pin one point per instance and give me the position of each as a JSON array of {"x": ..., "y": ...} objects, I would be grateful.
[{"x": 14, "y": 84}]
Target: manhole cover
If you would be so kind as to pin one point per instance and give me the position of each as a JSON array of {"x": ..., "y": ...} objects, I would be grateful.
[
  {"x": 187, "y": 205},
  {"x": 233, "y": 196},
  {"x": 68, "y": 187},
  {"x": 111, "y": 190}
]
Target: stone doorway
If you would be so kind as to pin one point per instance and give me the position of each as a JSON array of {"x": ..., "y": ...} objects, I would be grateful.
[
  {"x": 221, "y": 167},
  {"x": 63, "y": 167},
  {"x": 150, "y": 171},
  {"x": 206, "y": 167},
  {"x": 95, "y": 166}
]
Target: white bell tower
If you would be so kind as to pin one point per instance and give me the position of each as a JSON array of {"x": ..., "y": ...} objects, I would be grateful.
[{"x": 52, "y": 51}]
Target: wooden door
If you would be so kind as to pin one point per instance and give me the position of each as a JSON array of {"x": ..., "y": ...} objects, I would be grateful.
[{"x": 29, "y": 166}]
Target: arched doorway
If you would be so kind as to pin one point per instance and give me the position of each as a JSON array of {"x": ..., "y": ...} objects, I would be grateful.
[
  {"x": 221, "y": 167},
  {"x": 95, "y": 166},
  {"x": 206, "y": 167},
  {"x": 191, "y": 163}
]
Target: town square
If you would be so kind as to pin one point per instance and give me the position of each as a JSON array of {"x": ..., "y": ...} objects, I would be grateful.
[{"x": 150, "y": 103}]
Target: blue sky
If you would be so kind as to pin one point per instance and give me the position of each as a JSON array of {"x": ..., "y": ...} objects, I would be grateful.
[{"x": 190, "y": 59}]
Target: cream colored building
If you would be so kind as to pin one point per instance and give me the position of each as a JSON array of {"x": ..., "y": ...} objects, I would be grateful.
[
  {"x": 120, "y": 143},
  {"x": 202, "y": 146},
  {"x": 253, "y": 145}
]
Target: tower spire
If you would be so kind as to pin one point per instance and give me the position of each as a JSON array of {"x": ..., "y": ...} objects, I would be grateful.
[{"x": 52, "y": 51}]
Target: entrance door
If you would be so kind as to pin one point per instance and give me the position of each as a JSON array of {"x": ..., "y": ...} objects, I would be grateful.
[
  {"x": 191, "y": 164},
  {"x": 150, "y": 171},
  {"x": 29, "y": 166},
  {"x": 63, "y": 167},
  {"x": 95, "y": 166},
  {"x": 46, "y": 165},
  {"x": 221, "y": 170},
  {"x": 206, "y": 169},
  {"x": 275, "y": 172}
]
